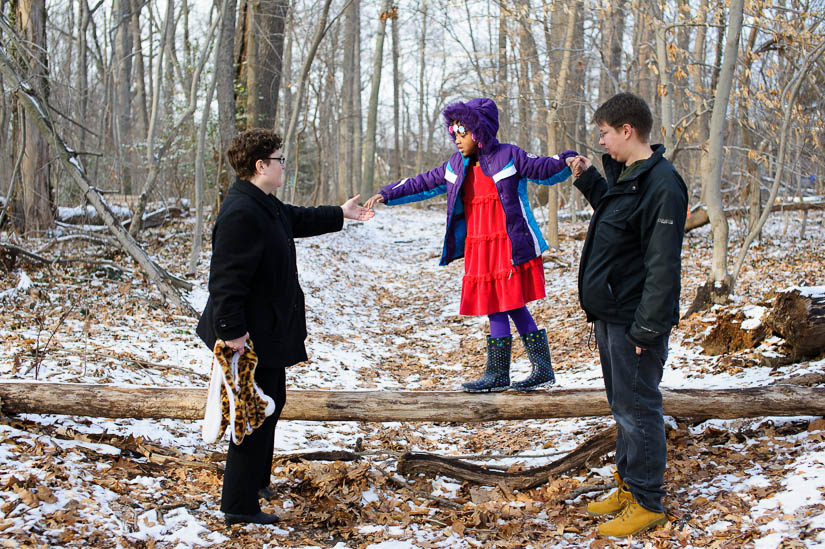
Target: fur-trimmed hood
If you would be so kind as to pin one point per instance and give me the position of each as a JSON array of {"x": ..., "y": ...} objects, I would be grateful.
[{"x": 480, "y": 116}]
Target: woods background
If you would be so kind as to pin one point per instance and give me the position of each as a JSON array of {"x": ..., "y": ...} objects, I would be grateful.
[{"x": 147, "y": 94}]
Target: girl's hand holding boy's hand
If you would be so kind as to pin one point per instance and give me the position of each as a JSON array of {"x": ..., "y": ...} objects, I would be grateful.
[
  {"x": 373, "y": 200},
  {"x": 353, "y": 211},
  {"x": 578, "y": 164}
]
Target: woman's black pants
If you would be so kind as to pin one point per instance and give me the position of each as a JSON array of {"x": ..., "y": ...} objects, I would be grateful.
[{"x": 249, "y": 464}]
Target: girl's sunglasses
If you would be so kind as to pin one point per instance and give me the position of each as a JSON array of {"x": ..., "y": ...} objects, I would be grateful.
[{"x": 457, "y": 129}]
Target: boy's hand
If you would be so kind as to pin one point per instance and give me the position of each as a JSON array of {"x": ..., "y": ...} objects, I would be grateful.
[
  {"x": 373, "y": 200},
  {"x": 353, "y": 211}
]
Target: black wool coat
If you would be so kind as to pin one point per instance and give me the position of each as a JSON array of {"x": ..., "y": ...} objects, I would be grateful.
[{"x": 253, "y": 277}]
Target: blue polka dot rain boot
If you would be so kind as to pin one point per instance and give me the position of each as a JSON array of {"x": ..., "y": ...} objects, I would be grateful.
[
  {"x": 497, "y": 375},
  {"x": 537, "y": 349}
]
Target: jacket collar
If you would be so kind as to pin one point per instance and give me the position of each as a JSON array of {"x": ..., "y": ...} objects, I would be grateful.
[
  {"x": 613, "y": 169},
  {"x": 269, "y": 202}
]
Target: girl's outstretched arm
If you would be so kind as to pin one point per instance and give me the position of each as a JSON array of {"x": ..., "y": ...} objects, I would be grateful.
[{"x": 544, "y": 170}]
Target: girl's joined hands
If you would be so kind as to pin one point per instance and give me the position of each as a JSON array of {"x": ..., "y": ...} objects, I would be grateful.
[
  {"x": 578, "y": 164},
  {"x": 353, "y": 211}
]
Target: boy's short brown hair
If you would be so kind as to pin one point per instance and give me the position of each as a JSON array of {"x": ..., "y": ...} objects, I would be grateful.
[
  {"x": 250, "y": 146},
  {"x": 626, "y": 108}
]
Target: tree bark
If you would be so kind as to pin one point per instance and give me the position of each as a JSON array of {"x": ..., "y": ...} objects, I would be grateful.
[
  {"x": 265, "y": 51},
  {"x": 225, "y": 88},
  {"x": 422, "y": 63},
  {"x": 386, "y": 406},
  {"x": 32, "y": 210},
  {"x": 122, "y": 130},
  {"x": 396, "y": 102}
]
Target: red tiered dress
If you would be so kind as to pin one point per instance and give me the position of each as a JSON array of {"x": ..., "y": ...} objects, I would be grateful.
[{"x": 492, "y": 284}]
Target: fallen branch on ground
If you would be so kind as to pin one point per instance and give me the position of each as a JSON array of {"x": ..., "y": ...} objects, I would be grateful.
[{"x": 593, "y": 448}]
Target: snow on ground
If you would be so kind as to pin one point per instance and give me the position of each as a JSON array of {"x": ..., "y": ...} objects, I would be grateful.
[{"x": 383, "y": 315}]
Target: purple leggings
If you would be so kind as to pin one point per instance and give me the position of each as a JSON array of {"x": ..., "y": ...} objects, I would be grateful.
[{"x": 500, "y": 322}]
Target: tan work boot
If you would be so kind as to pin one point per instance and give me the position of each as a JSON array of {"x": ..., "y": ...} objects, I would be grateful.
[
  {"x": 632, "y": 520},
  {"x": 614, "y": 502}
]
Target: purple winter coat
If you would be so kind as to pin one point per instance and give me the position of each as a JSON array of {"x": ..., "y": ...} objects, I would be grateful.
[{"x": 509, "y": 166}]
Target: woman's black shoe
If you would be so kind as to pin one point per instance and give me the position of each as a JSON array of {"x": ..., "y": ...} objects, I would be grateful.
[
  {"x": 257, "y": 518},
  {"x": 266, "y": 493}
]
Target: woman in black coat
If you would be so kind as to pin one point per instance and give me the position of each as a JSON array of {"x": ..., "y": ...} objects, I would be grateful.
[{"x": 254, "y": 294}]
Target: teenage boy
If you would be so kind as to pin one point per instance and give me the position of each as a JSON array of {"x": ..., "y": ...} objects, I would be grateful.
[{"x": 629, "y": 283}]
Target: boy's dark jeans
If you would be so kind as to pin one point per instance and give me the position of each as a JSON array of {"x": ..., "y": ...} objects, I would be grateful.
[{"x": 632, "y": 385}]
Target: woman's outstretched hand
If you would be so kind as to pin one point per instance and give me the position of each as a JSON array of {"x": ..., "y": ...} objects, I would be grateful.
[
  {"x": 373, "y": 200},
  {"x": 353, "y": 211}
]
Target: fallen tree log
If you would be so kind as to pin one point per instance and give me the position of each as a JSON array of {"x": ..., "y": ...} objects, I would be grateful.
[
  {"x": 798, "y": 315},
  {"x": 699, "y": 216},
  {"x": 431, "y": 464},
  {"x": 382, "y": 406}
]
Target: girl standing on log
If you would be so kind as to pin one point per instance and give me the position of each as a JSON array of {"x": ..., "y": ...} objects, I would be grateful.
[
  {"x": 254, "y": 295},
  {"x": 490, "y": 224}
]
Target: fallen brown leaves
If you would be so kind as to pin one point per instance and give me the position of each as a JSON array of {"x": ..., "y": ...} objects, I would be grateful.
[{"x": 72, "y": 488}]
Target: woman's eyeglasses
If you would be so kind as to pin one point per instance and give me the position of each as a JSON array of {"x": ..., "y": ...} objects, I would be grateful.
[{"x": 281, "y": 159}]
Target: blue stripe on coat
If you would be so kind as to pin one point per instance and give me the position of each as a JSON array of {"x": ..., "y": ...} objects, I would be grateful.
[
  {"x": 535, "y": 231},
  {"x": 424, "y": 195}
]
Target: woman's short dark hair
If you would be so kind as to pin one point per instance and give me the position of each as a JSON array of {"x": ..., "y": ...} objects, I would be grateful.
[
  {"x": 626, "y": 108},
  {"x": 250, "y": 146}
]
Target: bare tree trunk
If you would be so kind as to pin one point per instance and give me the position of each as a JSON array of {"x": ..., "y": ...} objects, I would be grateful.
[
  {"x": 357, "y": 109},
  {"x": 32, "y": 209},
  {"x": 719, "y": 281},
  {"x": 197, "y": 236},
  {"x": 422, "y": 63},
  {"x": 265, "y": 51},
  {"x": 665, "y": 89},
  {"x": 372, "y": 110},
  {"x": 552, "y": 120},
  {"x": 140, "y": 71},
  {"x": 122, "y": 131},
  {"x": 501, "y": 98},
  {"x": 346, "y": 126},
  {"x": 83, "y": 69},
  {"x": 612, "y": 25},
  {"x": 396, "y": 103},
  {"x": 225, "y": 87}
]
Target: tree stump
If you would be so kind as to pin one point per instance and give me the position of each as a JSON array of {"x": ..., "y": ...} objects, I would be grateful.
[{"x": 799, "y": 316}]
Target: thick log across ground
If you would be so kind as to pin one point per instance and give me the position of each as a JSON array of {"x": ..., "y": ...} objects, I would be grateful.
[{"x": 383, "y": 406}]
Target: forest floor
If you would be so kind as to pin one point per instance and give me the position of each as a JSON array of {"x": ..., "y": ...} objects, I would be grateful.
[{"x": 383, "y": 315}]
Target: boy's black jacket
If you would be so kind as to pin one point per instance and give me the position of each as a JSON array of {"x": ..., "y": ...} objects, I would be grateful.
[
  {"x": 253, "y": 277},
  {"x": 630, "y": 270}
]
